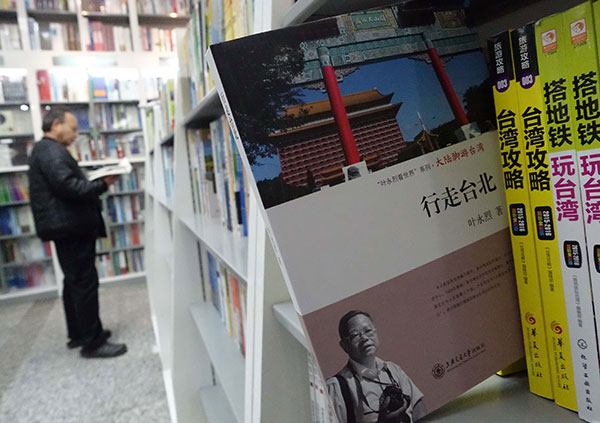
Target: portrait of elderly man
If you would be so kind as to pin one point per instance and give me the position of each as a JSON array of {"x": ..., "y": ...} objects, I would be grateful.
[{"x": 368, "y": 389}]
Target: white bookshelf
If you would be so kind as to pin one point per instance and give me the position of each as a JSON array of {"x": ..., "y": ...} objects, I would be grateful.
[
  {"x": 81, "y": 61},
  {"x": 207, "y": 372},
  {"x": 226, "y": 358}
]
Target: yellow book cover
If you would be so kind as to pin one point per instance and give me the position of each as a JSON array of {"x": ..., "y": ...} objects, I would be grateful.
[
  {"x": 519, "y": 214},
  {"x": 582, "y": 79},
  {"x": 534, "y": 139},
  {"x": 552, "y": 38}
]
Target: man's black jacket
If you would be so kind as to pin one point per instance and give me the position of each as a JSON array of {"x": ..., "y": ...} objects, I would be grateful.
[{"x": 64, "y": 203}]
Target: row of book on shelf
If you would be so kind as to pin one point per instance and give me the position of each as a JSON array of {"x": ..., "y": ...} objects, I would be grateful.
[
  {"x": 45, "y": 35},
  {"x": 122, "y": 236},
  {"x": 154, "y": 7},
  {"x": 22, "y": 250},
  {"x": 157, "y": 7},
  {"x": 125, "y": 208},
  {"x": 120, "y": 263},
  {"x": 10, "y": 38},
  {"x": 158, "y": 39},
  {"x": 107, "y": 147},
  {"x": 16, "y": 220},
  {"x": 108, "y": 37},
  {"x": 28, "y": 276},
  {"x": 211, "y": 22},
  {"x": 14, "y": 187},
  {"x": 63, "y": 5},
  {"x": 228, "y": 295},
  {"x": 219, "y": 185},
  {"x": 546, "y": 86},
  {"x": 131, "y": 182},
  {"x": 56, "y": 86}
]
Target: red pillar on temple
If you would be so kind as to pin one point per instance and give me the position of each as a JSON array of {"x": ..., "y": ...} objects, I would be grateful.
[
  {"x": 337, "y": 106},
  {"x": 451, "y": 96}
]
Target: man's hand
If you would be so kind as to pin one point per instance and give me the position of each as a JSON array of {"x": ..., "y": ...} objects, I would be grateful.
[{"x": 111, "y": 179}]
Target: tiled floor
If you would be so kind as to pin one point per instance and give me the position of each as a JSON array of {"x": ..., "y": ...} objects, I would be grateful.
[{"x": 41, "y": 381}]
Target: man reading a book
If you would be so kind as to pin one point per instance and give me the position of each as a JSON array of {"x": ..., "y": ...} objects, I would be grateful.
[
  {"x": 66, "y": 210},
  {"x": 369, "y": 389}
]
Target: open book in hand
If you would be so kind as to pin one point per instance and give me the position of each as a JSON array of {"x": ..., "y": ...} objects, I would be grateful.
[{"x": 121, "y": 168}]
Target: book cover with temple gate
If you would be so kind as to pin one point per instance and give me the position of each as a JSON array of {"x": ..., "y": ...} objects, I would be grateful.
[{"x": 370, "y": 138}]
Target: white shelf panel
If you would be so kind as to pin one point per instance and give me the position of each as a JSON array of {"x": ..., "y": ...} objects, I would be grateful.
[
  {"x": 128, "y": 222},
  {"x": 215, "y": 405},
  {"x": 226, "y": 358},
  {"x": 11, "y": 169},
  {"x": 122, "y": 278},
  {"x": 26, "y": 262},
  {"x": 229, "y": 248},
  {"x": 209, "y": 108},
  {"x": 26, "y": 292},
  {"x": 17, "y": 236},
  {"x": 287, "y": 316},
  {"x": 131, "y": 192},
  {"x": 505, "y": 399},
  {"x": 301, "y": 10},
  {"x": 304, "y": 9},
  {"x": 106, "y": 162},
  {"x": 165, "y": 203}
]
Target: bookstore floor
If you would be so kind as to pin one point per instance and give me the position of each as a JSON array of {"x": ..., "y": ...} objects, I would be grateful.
[{"x": 41, "y": 381}]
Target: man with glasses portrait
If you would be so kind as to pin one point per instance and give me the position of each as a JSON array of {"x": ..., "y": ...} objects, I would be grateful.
[{"x": 369, "y": 389}]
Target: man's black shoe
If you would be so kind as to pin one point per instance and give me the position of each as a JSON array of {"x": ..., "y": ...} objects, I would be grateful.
[
  {"x": 106, "y": 350},
  {"x": 76, "y": 343}
]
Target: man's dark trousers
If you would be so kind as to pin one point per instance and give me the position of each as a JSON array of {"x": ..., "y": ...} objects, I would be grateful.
[{"x": 80, "y": 292}]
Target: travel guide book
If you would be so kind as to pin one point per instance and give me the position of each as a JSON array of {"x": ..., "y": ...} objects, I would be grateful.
[{"x": 370, "y": 144}]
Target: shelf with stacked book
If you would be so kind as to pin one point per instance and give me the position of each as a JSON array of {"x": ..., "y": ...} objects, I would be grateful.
[
  {"x": 167, "y": 21},
  {"x": 207, "y": 110},
  {"x": 229, "y": 248},
  {"x": 17, "y": 236},
  {"x": 215, "y": 405},
  {"x": 8, "y": 14},
  {"x": 227, "y": 361},
  {"x": 168, "y": 139},
  {"x": 14, "y": 203},
  {"x": 107, "y": 162},
  {"x": 111, "y": 18},
  {"x": 52, "y": 15}
]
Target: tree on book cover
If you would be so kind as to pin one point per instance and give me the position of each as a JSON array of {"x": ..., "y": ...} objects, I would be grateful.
[{"x": 370, "y": 145}]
